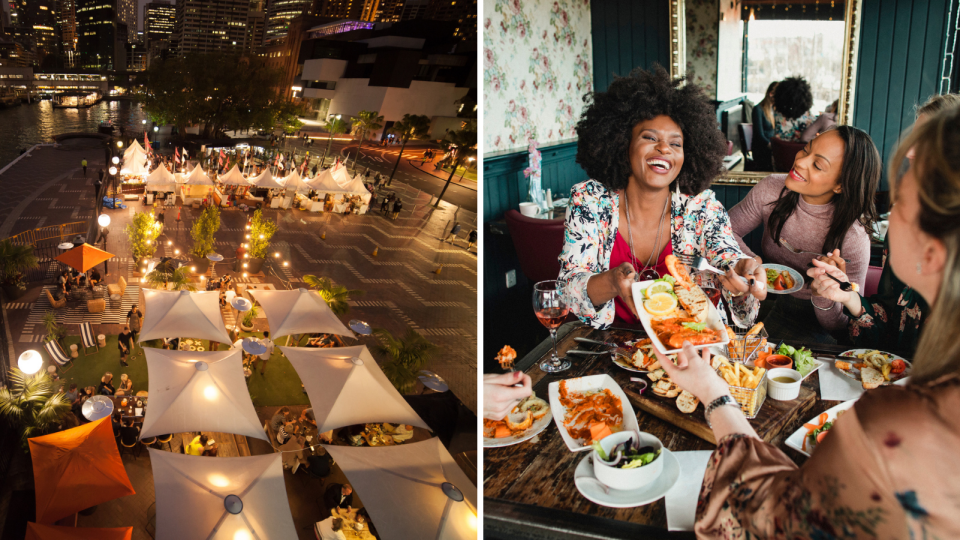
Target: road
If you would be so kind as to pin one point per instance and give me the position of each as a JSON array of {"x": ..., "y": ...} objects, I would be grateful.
[{"x": 382, "y": 160}]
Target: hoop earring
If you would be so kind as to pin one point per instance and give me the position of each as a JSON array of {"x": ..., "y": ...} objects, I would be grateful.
[{"x": 919, "y": 268}]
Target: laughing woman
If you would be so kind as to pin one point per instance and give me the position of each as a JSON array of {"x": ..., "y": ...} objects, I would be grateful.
[{"x": 652, "y": 148}]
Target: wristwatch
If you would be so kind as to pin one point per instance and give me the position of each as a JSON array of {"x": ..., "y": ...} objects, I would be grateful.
[{"x": 717, "y": 403}]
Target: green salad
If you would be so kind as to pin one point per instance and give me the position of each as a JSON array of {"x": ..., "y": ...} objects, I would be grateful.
[{"x": 802, "y": 358}]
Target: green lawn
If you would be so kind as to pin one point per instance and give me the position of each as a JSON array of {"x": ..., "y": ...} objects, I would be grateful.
[{"x": 280, "y": 385}]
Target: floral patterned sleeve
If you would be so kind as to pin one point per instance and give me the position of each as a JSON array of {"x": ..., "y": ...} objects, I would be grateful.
[
  {"x": 587, "y": 242},
  {"x": 723, "y": 251}
]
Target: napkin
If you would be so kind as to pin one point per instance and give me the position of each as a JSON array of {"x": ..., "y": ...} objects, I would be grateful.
[
  {"x": 682, "y": 498},
  {"x": 835, "y": 386},
  {"x": 139, "y": 411}
]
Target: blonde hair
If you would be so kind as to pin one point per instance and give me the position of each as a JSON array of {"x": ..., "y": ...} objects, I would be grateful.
[
  {"x": 107, "y": 377},
  {"x": 936, "y": 166},
  {"x": 123, "y": 377}
]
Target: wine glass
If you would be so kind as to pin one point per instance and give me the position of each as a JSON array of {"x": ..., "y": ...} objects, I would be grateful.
[{"x": 550, "y": 308}]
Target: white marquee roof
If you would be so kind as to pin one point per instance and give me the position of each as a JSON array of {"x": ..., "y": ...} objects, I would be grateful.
[
  {"x": 234, "y": 178},
  {"x": 298, "y": 311},
  {"x": 161, "y": 180},
  {"x": 324, "y": 182},
  {"x": 265, "y": 180},
  {"x": 400, "y": 485},
  {"x": 294, "y": 181},
  {"x": 190, "y": 493},
  {"x": 134, "y": 147},
  {"x": 198, "y": 391},
  {"x": 197, "y": 177},
  {"x": 185, "y": 314},
  {"x": 343, "y": 393}
]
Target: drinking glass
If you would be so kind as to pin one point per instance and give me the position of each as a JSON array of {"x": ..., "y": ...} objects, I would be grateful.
[{"x": 550, "y": 308}]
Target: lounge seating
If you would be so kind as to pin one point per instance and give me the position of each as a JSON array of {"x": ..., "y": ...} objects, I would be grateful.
[
  {"x": 117, "y": 288},
  {"x": 97, "y": 305},
  {"x": 57, "y": 355},
  {"x": 87, "y": 339},
  {"x": 56, "y": 304}
]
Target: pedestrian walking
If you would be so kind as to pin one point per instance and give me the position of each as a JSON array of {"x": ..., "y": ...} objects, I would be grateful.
[
  {"x": 160, "y": 216},
  {"x": 453, "y": 232},
  {"x": 265, "y": 357},
  {"x": 397, "y": 207},
  {"x": 134, "y": 322},
  {"x": 83, "y": 164},
  {"x": 472, "y": 239},
  {"x": 124, "y": 344},
  {"x": 386, "y": 201}
]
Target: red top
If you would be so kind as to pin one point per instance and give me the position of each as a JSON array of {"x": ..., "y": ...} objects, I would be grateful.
[{"x": 621, "y": 254}]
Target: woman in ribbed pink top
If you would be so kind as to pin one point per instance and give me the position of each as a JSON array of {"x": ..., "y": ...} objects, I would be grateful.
[{"x": 825, "y": 203}]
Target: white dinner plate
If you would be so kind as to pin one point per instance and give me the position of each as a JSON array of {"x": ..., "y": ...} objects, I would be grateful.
[
  {"x": 854, "y": 373},
  {"x": 538, "y": 425},
  {"x": 795, "y": 440},
  {"x": 797, "y": 279},
  {"x": 713, "y": 322},
  {"x": 617, "y": 498},
  {"x": 582, "y": 384}
]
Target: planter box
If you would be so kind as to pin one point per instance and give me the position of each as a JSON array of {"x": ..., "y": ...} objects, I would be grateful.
[
  {"x": 254, "y": 265},
  {"x": 202, "y": 264}
]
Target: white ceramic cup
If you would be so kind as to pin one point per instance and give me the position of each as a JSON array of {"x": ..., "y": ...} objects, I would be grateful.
[
  {"x": 627, "y": 479},
  {"x": 529, "y": 209},
  {"x": 783, "y": 391}
]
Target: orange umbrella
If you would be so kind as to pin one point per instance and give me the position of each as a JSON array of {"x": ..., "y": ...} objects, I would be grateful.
[
  {"x": 84, "y": 257},
  {"x": 76, "y": 469},
  {"x": 50, "y": 532}
]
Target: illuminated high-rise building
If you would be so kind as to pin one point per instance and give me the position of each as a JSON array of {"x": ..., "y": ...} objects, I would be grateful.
[
  {"x": 279, "y": 15},
  {"x": 463, "y": 12},
  {"x": 206, "y": 26},
  {"x": 127, "y": 13},
  {"x": 37, "y": 27},
  {"x": 101, "y": 35},
  {"x": 159, "y": 19}
]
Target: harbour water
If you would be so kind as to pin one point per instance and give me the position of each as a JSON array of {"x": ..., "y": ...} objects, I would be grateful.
[{"x": 24, "y": 126}]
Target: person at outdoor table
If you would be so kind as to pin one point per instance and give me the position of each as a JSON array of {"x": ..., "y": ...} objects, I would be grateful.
[
  {"x": 824, "y": 205},
  {"x": 125, "y": 383},
  {"x": 195, "y": 447},
  {"x": 210, "y": 447},
  {"x": 106, "y": 385},
  {"x": 651, "y": 148},
  {"x": 763, "y": 119},
  {"x": 71, "y": 395},
  {"x": 95, "y": 277},
  {"x": 308, "y": 416},
  {"x": 117, "y": 423},
  {"x": 889, "y": 467},
  {"x": 125, "y": 343},
  {"x": 171, "y": 343},
  {"x": 330, "y": 529},
  {"x": 791, "y": 103},
  {"x": 281, "y": 417},
  {"x": 338, "y": 496}
]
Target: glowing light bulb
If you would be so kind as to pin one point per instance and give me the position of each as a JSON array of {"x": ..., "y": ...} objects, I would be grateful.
[
  {"x": 218, "y": 480},
  {"x": 277, "y": 254},
  {"x": 244, "y": 274},
  {"x": 244, "y": 265},
  {"x": 193, "y": 268},
  {"x": 248, "y": 237},
  {"x": 210, "y": 393},
  {"x": 176, "y": 252},
  {"x": 242, "y": 535},
  {"x": 169, "y": 242},
  {"x": 148, "y": 242},
  {"x": 285, "y": 263},
  {"x": 261, "y": 237}
]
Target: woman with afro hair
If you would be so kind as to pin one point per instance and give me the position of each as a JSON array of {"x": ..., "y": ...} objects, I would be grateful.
[
  {"x": 652, "y": 147},
  {"x": 791, "y": 102}
]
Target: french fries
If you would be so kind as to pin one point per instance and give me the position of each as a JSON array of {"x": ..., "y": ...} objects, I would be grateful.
[{"x": 737, "y": 374}]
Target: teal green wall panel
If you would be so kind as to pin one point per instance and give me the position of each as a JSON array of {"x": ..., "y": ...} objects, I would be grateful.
[{"x": 628, "y": 34}]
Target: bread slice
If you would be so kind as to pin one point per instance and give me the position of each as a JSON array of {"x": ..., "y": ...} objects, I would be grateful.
[
  {"x": 694, "y": 301},
  {"x": 663, "y": 386},
  {"x": 871, "y": 378},
  {"x": 687, "y": 402},
  {"x": 655, "y": 375}
]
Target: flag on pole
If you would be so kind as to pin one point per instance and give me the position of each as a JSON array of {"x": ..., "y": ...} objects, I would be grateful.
[
  {"x": 176, "y": 155},
  {"x": 146, "y": 143},
  {"x": 220, "y": 161}
]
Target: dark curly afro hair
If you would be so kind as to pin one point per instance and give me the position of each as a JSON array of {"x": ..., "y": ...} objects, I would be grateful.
[
  {"x": 793, "y": 97},
  {"x": 606, "y": 127}
]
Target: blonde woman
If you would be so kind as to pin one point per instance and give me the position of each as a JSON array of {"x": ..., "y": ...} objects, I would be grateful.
[
  {"x": 106, "y": 385},
  {"x": 126, "y": 384},
  {"x": 889, "y": 468}
]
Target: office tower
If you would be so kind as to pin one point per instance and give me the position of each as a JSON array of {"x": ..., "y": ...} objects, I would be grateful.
[
  {"x": 67, "y": 17},
  {"x": 463, "y": 12},
  {"x": 159, "y": 19},
  {"x": 345, "y": 9},
  {"x": 388, "y": 11},
  {"x": 38, "y": 27},
  {"x": 256, "y": 21},
  {"x": 414, "y": 9},
  {"x": 127, "y": 13},
  {"x": 206, "y": 26},
  {"x": 101, "y": 35},
  {"x": 279, "y": 15}
]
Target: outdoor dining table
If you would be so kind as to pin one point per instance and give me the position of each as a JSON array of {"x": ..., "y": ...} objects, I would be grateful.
[
  {"x": 529, "y": 489},
  {"x": 227, "y": 443},
  {"x": 350, "y": 523},
  {"x": 130, "y": 411}
]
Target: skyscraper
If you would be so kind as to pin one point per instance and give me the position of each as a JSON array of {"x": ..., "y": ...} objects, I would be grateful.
[
  {"x": 37, "y": 27},
  {"x": 463, "y": 12},
  {"x": 206, "y": 26},
  {"x": 68, "y": 28},
  {"x": 159, "y": 19},
  {"x": 127, "y": 13},
  {"x": 101, "y": 35},
  {"x": 279, "y": 15}
]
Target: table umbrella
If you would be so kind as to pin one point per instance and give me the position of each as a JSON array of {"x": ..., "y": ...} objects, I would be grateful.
[
  {"x": 346, "y": 388},
  {"x": 298, "y": 312},
  {"x": 76, "y": 469},
  {"x": 407, "y": 486},
  {"x": 221, "y": 498},
  {"x": 199, "y": 391},
  {"x": 182, "y": 314},
  {"x": 52, "y": 532},
  {"x": 84, "y": 257}
]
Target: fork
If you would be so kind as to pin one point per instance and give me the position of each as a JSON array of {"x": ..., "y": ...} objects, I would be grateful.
[
  {"x": 701, "y": 264},
  {"x": 786, "y": 245}
]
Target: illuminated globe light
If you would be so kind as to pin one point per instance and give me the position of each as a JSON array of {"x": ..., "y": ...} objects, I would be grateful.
[
  {"x": 244, "y": 274},
  {"x": 148, "y": 242},
  {"x": 218, "y": 480},
  {"x": 115, "y": 160},
  {"x": 119, "y": 144},
  {"x": 144, "y": 122},
  {"x": 169, "y": 242},
  {"x": 248, "y": 237},
  {"x": 103, "y": 220},
  {"x": 210, "y": 393},
  {"x": 113, "y": 170},
  {"x": 244, "y": 265},
  {"x": 285, "y": 263},
  {"x": 156, "y": 129},
  {"x": 261, "y": 237},
  {"x": 193, "y": 268},
  {"x": 277, "y": 254},
  {"x": 30, "y": 362}
]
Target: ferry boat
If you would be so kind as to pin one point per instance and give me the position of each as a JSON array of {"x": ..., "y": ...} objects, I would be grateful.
[{"x": 75, "y": 100}]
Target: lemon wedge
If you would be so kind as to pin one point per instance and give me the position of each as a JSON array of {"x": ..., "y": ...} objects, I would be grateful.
[
  {"x": 658, "y": 287},
  {"x": 660, "y": 304}
]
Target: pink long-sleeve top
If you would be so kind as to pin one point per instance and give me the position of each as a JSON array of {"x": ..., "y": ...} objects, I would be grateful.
[{"x": 805, "y": 229}]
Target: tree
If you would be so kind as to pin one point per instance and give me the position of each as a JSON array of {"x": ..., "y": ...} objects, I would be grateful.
[
  {"x": 334, "y": 127},
  {"x": 179, "y": 279},
  {"x": 33, "y": 404},
  {"x": 365, "y": 121},
  {"x": 261, "y": 231},
  {"x": 413, "y": 126},
  {"x": 143, "y": 233},
  {"x": 336, "y": 296},
  {"x": 406, "y": 357},
  {"x": 203, "y": 231},
  {"x": 463, "y": 145},
  {"x": 14, "y": 261}
]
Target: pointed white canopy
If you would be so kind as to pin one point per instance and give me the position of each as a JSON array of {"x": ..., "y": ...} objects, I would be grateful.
[
  {"x": 197, "y": 177},
  {"x": 265, "y": 180},
  {"x": 134, "y": 147},
  {"x": 199, "y": 391},
  {"x": 182, "y": 314},
  {"x": 340, "y": 174},
  {"x": 298, "y": 312},
  {"x": 401, "y": 485},
  {"x": 294, "y": 181},
  {"x": 135, "y": 163},
  {"x": 355, "y": 187},
  {"x": 161, "y": 180},
  {"x": 193, "y": 492},
  {"x": 345, "y": 392},
  {"x": 234, "y": 178},
  {"x": 324, "y": 182}
]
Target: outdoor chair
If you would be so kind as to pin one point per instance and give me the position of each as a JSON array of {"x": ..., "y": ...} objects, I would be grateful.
[
  {"x": 87, "y": 338},
  {"x": 117, "y": 288},
  {"x": 97, "y": 305},
  {"x": 57, "y": 355},
  {"x": 55, "y": 304},
  {"x": 130, "y": 441}
]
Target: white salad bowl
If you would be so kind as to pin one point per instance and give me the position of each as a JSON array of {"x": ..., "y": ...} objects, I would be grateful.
[{"x": 627, "y": 479}]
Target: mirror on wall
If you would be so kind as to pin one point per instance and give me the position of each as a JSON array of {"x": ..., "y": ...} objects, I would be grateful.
[{"x": 759, "y": 42}]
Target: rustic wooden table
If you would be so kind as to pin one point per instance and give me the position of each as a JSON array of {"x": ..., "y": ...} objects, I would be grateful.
[
  {"x": 229, "y": 445},
  {"x": 528, "y": 488}
]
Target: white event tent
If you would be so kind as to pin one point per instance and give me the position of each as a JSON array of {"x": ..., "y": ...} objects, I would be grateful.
[
  {"x": 346, "y": 387},
  {"x": 221, "y": 498},
  {"x": 390, "y": 478},
  {"x": 135, "y": 164},
  {"x": 300, "y": 311},
  {"x": 324, "y": 182},
  {"x": 234, "y": 178},
  {"x": 199, "y": 391},
  {"x": 133, "y": 148},
  {"x": 183, "y": 314},
  {"x": 356, "y": 187},
  {"x": 197, "y": 177},
  {"x": 161, "y": 180},
  {"x": 294, "y": 181},
  {"x": 265, "y": 180}
]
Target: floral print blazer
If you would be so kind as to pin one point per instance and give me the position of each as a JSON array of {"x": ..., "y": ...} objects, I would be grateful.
[{"x": 699, "y": 225}]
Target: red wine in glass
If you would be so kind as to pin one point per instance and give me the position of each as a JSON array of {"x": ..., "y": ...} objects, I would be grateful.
[
  {"x": 551, "y": 309},
  {"x": 713, "y": 294}
]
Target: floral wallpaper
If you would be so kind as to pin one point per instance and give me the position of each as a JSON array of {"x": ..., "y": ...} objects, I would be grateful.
[
  {"x": 536, "y": 68},
  {"x": 703, "y": 18}
]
